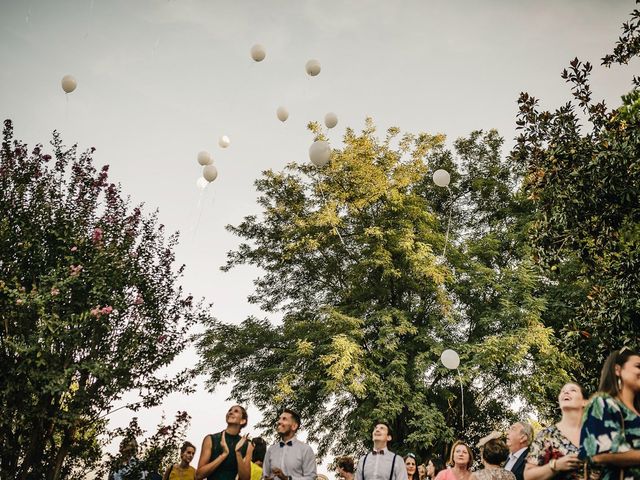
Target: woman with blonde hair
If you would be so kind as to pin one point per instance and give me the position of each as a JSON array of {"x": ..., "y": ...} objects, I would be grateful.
[
  {"x": 460, "y": 461},
  {"x": 554, "y": 452}
]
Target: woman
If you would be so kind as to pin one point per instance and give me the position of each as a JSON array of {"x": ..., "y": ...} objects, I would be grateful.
[
  {"x": 554, "y": 452},
  {"x": 434, "y": 467},
  {"x": 411, "y": 465},
  {"x": 494, "y": 452},
  {"x": 422, "y": 472},
  {"x": 346, "y": 468},
  {"x": 460, "y": 460},
  {"x": 610, "y": 435}
]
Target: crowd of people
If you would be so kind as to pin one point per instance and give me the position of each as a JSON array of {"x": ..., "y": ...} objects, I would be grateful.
[{"x": 596, "y": 438}]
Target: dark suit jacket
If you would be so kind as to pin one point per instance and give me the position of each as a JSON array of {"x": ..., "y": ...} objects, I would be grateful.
[{"x": 518, "y": 467}]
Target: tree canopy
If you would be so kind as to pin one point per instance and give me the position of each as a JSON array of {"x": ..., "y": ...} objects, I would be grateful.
[
  {"x": 582, "y": 164},
  {"x": 90, "y": 308},
  {"x": 354, "y": 260}
]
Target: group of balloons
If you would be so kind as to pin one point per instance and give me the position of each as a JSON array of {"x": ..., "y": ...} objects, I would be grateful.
[
  {"x": 320, "y": 151},
  {"x": 209, "y": 170}
]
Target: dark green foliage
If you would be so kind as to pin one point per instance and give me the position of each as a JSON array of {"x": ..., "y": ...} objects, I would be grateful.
[{"x": 89, "y": 308}]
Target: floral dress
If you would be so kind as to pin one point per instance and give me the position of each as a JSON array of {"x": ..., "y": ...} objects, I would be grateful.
[
  {"x": 550, "y": 443},
  {"x": 608, "y": 426}
]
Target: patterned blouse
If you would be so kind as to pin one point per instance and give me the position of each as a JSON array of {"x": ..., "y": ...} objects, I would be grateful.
[
  {"x": 493, "y": 474},
  {"x": 610, "y": 427},
  {"x": 550, "y": 443}
]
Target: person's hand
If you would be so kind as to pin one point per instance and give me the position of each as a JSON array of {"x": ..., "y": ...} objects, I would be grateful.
[
  {"x": 568, "y": 462},
  {"x": 241, "y": 442},
  {"x": 250, "y": 449},
  {"x": 279, "y": 473},
  {"x": 223, "y": 444}
]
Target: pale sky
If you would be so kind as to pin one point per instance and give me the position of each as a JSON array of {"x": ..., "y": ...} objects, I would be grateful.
[{"x": 160, "y": 80}]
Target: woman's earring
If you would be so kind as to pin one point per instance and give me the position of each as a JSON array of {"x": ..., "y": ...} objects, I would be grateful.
[{"x": 619, "y": 381}]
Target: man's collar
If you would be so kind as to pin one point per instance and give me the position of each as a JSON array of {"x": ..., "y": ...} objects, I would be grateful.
[
  {"x": 289, "y": 442},
  {"x": 518, "y": 453}
]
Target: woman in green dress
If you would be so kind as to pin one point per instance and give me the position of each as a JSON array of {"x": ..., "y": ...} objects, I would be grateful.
[{"x": 610, "y": 435}]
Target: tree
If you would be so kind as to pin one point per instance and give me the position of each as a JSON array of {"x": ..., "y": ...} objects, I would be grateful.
[
  {"x": 353, "y": 256},
  {"x": 90, "y": 308},
  {"x": 154, "y": 453},
  {"x": 583, "y": 178}
]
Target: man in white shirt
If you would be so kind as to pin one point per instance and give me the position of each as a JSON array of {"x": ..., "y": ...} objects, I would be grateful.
[
  {"x": 519, "y": 438},
  {"x": 290, "y": 458},
  {"x": 380, "y": 463}
]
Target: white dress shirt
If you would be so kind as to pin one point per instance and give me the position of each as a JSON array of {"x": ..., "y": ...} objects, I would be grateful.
[{"x": 513, "y": 458}]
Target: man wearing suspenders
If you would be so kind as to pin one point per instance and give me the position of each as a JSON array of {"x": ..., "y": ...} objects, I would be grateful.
[{"x": 381, "y": 464}]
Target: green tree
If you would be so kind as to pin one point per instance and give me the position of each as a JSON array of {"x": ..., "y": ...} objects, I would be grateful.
[
  {"x": 582, "y": 165},
  {"x": 353, "y": 260},
  {"x": 154, "y": 453},
  {"x": 90, "y": 308}
]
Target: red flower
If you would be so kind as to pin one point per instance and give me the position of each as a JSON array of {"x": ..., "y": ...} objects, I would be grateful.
[
  {"x": 97, "y": 235},
  {"x": 75, "y": 270}
]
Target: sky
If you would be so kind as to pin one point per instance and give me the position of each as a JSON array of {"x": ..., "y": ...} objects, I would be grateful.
[{"x": 160, "y": 80}]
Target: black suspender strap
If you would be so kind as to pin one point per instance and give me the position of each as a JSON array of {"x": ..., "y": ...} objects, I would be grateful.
[
  {"x": 393, "y": 464},
  {"x": 364, "y": 462}
]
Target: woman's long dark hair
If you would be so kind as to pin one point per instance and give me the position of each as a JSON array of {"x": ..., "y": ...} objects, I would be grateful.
[
  {"x": 416, "y": 474},
  {"x": 608, "y": 377},
  {"x": 438, "y": 466}
]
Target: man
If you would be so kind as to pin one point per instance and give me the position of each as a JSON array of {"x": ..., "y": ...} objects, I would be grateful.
[
  {"x": 345, "y": 468},
  {"x": 128, "y": 465},
  {"x": 182, "y": 470},
  {"x": 381, "y": 464},
  {"x": 222, "y": 454},
  {"x": 290, "y": 458},
  {"x": 519, "y": 438}
]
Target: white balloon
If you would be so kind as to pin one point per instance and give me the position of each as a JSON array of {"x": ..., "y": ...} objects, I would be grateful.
[
  {"x": 205, "y": 158},
  {"x": 330, "y": 120},
  {"x": 450, "y": 359},
  {"x": 202, "y": 183},
  {"x": 69, "y": 83},
  {"x": 282, "y": 114},
  {"x": 441, "y": 178},
  {"x": 258, "y": 53},
  {"x": 224, "y": 141},
  {"x": 312, "y": 67},
  {"x": 210, "y": 173},
  {"x": 319, "y": 153}
]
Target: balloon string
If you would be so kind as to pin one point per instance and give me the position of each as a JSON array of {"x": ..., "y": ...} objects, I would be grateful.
[
  {"x": 461, "y": 396},
  {"x": 335, "y": 229},
  {"x": 446, "y": 238},
  {"x": 199, "y": 209}
]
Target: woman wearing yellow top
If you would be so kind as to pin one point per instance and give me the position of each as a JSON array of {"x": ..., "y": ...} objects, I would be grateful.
[{"x": 182, "y": 470}]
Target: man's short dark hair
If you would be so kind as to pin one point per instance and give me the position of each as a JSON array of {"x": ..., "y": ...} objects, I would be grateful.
[
  {"x": 259, "y": 449},
  {"x": 294, "y": 415},
  {"x": 386, "y": 424},
  {"x": 186, "y": 445},
  {"x": 346, "y": 463},
  {"x": 495, "y": 451}
]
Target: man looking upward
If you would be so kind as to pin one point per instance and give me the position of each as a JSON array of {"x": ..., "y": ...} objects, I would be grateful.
[
  {"x": 380, "y": 463},
  {"x": 519, "y": 438},
  {"x": 290, "y": 458}
]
